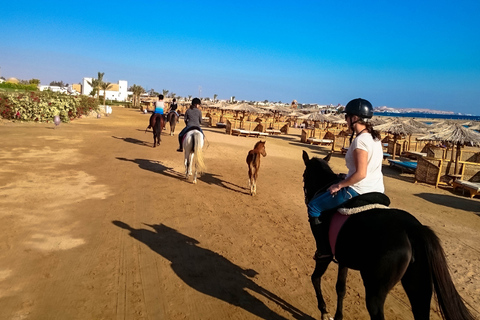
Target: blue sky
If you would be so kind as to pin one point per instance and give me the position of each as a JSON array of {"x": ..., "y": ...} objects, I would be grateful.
[{"x": 403, "y": 54}]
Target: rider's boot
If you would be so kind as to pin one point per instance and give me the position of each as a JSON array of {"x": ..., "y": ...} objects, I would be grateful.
[{"x": 320, "y": 229}]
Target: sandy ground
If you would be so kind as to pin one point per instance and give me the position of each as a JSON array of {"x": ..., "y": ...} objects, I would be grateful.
[{"x": 97, "y": 224}]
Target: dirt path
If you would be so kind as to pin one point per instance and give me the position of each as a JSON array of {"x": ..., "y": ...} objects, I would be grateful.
[{"x": 97, "y": 224}]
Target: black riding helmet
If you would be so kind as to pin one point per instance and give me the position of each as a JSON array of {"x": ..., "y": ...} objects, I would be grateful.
[
  {"x": 196, "y": 101},
  {"x": 359, "y": 107}
]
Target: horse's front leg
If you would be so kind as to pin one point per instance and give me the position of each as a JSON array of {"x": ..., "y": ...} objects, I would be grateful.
[
  {"x": 250, "y": 179},
  {"x": 341, "y": 290},
  {"x": 320, "y": 268}
]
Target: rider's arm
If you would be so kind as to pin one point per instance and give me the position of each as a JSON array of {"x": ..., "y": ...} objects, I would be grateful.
[{"x": 361, "y": 161}]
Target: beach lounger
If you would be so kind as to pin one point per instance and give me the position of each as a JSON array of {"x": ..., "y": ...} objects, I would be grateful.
[
  {"x": 320, "y": 141},
  {"x": 273, "y": 131},
  {"x": 409, "y": 166},
  {"x": 472, "y": 187},
  {"x": 248, "y": 133}
]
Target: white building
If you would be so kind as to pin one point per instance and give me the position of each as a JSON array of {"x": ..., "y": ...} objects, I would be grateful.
[
  {"x": 118, "y": 91},
  {"x": 69, "y": 89}
]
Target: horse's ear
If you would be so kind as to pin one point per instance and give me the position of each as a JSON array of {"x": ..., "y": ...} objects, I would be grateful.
[
  {"x": 327, "y": 158},
  {"x": 305, "y": 157}
]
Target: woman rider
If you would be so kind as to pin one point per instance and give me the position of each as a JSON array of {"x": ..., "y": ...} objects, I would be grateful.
[
  {"x": 159, "y": 107},
  {"x": 364, "y": 162},
  {"x": 193, "y": 119}
]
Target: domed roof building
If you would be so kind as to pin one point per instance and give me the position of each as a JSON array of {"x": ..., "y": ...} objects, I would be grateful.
[{"x": 13, "y": 80}]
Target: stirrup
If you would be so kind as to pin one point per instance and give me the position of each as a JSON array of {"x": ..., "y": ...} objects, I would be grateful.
[{"x": 318, "y": 256}]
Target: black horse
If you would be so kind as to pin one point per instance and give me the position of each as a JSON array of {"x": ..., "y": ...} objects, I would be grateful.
[
  {"x": 172, "y": 119},
  {"x": 386, "y": 246},
  {"x": 157, "y": 122}
]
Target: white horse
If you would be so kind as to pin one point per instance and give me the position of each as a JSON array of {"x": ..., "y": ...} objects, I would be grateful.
[{"x": 193, "y": 148}]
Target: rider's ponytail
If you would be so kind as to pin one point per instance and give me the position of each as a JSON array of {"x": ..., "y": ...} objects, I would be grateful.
[{"x": 375, "y": 134}]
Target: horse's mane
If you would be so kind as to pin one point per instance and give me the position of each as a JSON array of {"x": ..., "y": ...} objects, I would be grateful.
[
  {"x": 321, "y": 165},
  {"x": 258, "y": 143}
]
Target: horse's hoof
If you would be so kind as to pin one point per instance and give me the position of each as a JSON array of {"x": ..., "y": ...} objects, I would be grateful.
[{"x": 194, "y": 181}]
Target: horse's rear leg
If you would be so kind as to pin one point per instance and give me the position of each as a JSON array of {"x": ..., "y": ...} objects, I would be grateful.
[
  {"x": 194, "y": 181},
  {"x": 380, "y": 277},
  {"x": 320, "y": 268},
  {"x": 418, "y": 286},
  {"x": 251, "y": 179}
]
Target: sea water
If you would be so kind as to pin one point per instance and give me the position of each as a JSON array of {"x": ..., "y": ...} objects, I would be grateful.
[{"x": 429, "y": 116}]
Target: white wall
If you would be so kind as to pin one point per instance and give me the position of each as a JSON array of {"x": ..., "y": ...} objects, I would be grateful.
[
  {"x": 120, "y": 95},
  {"x": 86, "y": 88}
]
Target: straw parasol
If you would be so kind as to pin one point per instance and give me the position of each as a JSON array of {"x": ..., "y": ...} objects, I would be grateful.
[
  {"x": 475, "y": 126},
  {"x": 398, "y": 128},
  {"x": 314, "y": 116},
  {"x": 376, "y": 120},
  {"x": 276, "y": 109},
  {"x": 242, "y": 107},
  {"x": 417, "y": 123},
  {"x": 457, "y": 135}
]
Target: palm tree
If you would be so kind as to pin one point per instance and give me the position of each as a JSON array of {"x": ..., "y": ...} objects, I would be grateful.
[
  {"x": 95, "y": 84},
  {"x": 165, "y": 92},
  {"x": 105, "y": 86},
  {"x": 215, "y": 97},
  {"x": 137, "y": 91},
  {"x": 189, "y": 97}
]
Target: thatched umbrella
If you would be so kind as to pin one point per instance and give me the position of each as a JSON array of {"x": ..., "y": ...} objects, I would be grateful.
[
  {"x": 315, "y": 117},
  {"x": 475, "y": 126},
  {"x": 242, "y": 107},
  {"x": 398, "y": 128},
  {"x": 378, "y": 120},
  {"x": 276, "y": 109},
  {"x": 417, "y": 123},
  {"x": 457, "y": 135}
]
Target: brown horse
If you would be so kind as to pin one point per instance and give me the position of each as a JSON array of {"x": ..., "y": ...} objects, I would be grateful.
[
  {"x": 253, "y": 162},
  {"x": 157, "y": 122}
]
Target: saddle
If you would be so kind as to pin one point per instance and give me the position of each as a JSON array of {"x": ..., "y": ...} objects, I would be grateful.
[
  {"x": 190, "y": 129},
  {"x": 355, "y": 205},
  {"x": 153, "y": 120}
]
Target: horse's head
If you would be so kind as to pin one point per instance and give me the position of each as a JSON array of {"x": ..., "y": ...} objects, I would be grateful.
[
  {"x": 260, "y": 146},
  {"x": 318, "y": 175}
]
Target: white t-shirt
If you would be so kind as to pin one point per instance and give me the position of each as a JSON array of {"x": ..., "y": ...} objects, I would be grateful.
[{"x": 373, "y": 182}]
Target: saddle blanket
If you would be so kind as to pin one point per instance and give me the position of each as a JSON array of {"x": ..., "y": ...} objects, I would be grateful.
[{"x": 341, "y": 215}]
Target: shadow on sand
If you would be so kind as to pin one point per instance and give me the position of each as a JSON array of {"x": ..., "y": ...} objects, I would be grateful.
[
  {"x": 212, "y": 179},
  {"x": 158, "y": 167},
  {"x": 466, "y": 204},
  {"x": 208, "y": 272},
  {"x": 134, "y": 141}
]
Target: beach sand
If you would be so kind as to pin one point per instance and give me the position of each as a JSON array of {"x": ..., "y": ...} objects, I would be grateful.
[{"x": 97, "y": 224}]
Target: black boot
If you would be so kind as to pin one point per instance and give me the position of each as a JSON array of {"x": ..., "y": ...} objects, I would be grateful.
[{"x": 320, "y": 230}]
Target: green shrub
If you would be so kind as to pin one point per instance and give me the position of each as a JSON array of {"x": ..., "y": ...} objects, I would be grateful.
[
  {"x": 19, "y": 86},
  {"x": 42, "y": 106}
]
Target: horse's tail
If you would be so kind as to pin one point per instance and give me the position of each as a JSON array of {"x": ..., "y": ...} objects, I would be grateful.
[
  {"x": 158, "y": 125},
  {"x": 451, "y": 303},
  {"x": 198, "y": 151}
]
